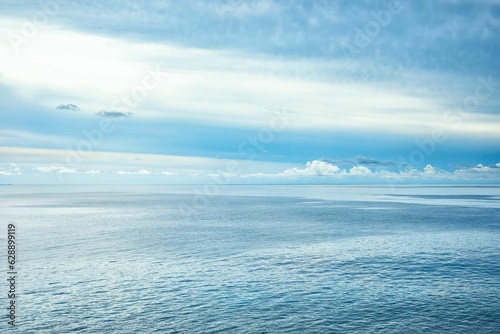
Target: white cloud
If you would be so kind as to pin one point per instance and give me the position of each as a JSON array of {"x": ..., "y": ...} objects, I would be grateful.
[
  {"x": 315, "y": 168},
  {"x": 478, "y": 172},
  {"x": 323, "y": 168},
  {"x": 139, "y": 172},
  {"x": 481, "y": 168},
  {"x": 194, "y": 169},
  {"x": 167, "y": 173},
  {"x": 213, "y": 85},
  {"x": 112, "y": 162},
  {"x": 359, "y": 171},
  {"x": 10, "y": 169},
  {"x": 93, "y": 171},
  {"x": 122, "y": 172},
  {"x": 57, "y": 169},
  {"x": 429, "y": 170},
  {"x": 428, "y": 173}
]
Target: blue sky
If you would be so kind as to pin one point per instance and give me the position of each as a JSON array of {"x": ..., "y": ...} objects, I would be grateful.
[{"x": 249, "y": 91}]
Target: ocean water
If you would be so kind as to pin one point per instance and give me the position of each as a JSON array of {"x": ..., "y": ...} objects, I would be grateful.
[{"x": 254, "y": 259}]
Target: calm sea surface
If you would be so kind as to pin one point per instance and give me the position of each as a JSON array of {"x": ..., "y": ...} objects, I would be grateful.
[{"x": 253, "y": 259}]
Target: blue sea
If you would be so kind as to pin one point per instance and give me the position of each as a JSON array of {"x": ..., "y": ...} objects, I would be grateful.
[{"x": 253, "y": 259}]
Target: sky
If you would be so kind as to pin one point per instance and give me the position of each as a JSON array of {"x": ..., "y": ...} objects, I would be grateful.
[{"x": 249, "y": 92}]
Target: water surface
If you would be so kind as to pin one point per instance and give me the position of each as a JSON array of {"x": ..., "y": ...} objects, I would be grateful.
[{"x": 256, "y": 259}]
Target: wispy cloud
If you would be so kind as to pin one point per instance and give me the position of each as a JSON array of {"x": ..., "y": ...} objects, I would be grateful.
[
  {"x": 240, "y": 9},
  {"x": 361, "y": 160},
  {"x": 224, "y": 72},
  {"x": 70, "y": 106},
  {"x": 113, "y": 114},
  {"x": 202, "y": 87}
]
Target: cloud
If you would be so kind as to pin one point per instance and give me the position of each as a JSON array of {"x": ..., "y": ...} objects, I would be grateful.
[
  {"x": 323, "y": 168},
  {"x": 64, "y": 170},
  {"x": 360, "y": 160},
  {"x": 219, "y": 174},
  {"x": 359, "y": 171},
  {"x": 113, "y": 114},
  {"x": 239, "y": 9},
  {"x": 169, "y": 173},
  {"x": 478, "y": 172},
  {"x": 93, "y": 171},
  {"x": 325, "y": 95},
  {"x": 374, "y": 162},
  {"x": 139, "y": 172},
  {"x": 315, "y": 168},
  {"x": 111, "y": 162},
  {"x": 428, "y": 173},
  {"x": 429, "y": 170},
  {"x": 68, "y": 107},
  {"x": 10, "y": 169},
  {"x": 56, "y": 169}
]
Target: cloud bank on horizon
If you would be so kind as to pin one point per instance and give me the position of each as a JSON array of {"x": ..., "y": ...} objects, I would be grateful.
[{"x": 257, "y": 91}]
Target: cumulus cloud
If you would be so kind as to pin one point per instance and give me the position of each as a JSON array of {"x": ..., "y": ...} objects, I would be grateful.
[
  {"x": 478, "y": 172},
  {"x": 93, "y": 171},
  {"x": 359, "y": 171},
  {"x": 429, "y": 170},
  {"x": 315, "y": 168},
  {"x": 113, "y": 114},
  {"x": 10, "y": 169},
  {"x": 323, "y": 168},
  {"x": 427, "y": 173},
  {"x": 56, "y": 169},
  {"x": 70, "y": 106},
  {"x": 481, "y": 168}
]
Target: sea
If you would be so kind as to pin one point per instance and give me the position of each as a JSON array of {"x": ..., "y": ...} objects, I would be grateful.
[{"x": 252, "y": 259}]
